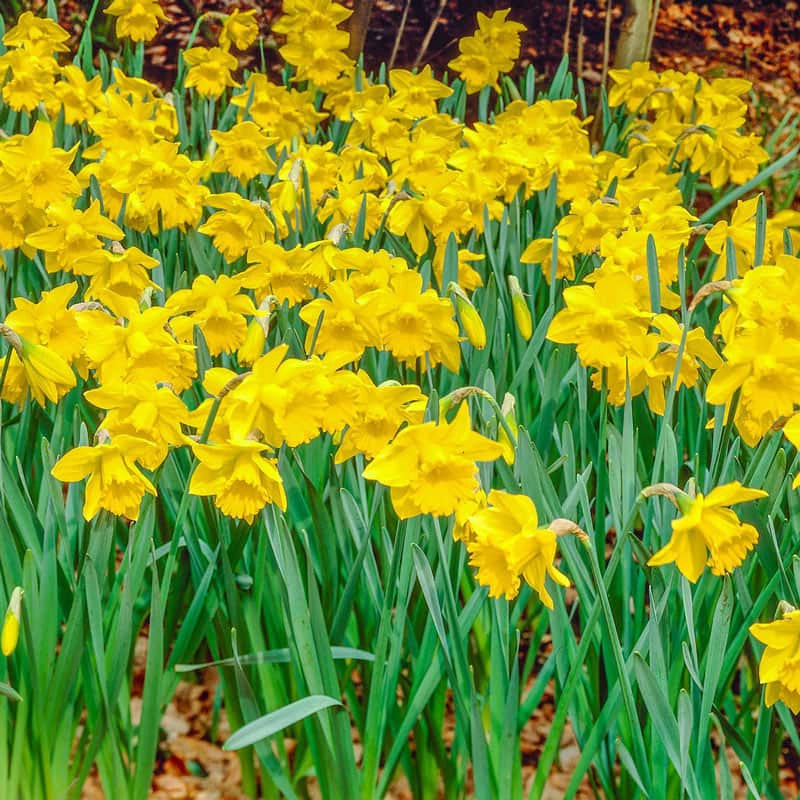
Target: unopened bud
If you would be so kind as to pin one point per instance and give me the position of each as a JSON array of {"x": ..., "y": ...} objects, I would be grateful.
[
  {"x": 10, "y": 634},
  {"x": 253, "y": 346},
  {"x": 510, "y": 416},
  {"x": 520, "y": 308},
  {"x": 471, "y": 320}
]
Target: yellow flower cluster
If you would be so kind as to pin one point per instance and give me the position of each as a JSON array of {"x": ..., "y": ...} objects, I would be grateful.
[
  {"x": 314, "y": 44},
  {"x": 293, "y": 317},
  {"x": 762, "y": 350},
  {"x": 492, "y": 50},
  {"x": 689, "y": 118}
]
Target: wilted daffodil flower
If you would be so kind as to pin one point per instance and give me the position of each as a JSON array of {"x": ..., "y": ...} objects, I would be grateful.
[{"x": 707, "y": 532}]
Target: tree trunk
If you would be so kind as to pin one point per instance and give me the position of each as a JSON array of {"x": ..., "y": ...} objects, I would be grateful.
[
  {"x": 358, "y": 26},
  {"x": 634, "y": 35}
]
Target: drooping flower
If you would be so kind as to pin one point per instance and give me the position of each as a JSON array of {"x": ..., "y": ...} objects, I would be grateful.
[
  {"x": 137, "y": 19},
  {"x": 240, "y": 29},
  {"x": 709, "y": 533},
  {"x": 508, "y": 544},
  {"x": 210, "y": 70},
  {"x": 240, "y": 478},
  {"x": 115, "y": 483},
  {"x": 779, "y": 668}
]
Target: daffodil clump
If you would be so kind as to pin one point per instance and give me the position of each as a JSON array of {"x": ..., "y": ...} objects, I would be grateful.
[{"x": 341, "y": 275}]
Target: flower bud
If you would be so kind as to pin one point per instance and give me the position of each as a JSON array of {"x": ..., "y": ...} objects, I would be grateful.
[
  {"x": 520, "y": 308},
  {"x": 253, "y": 346},
  {"x": 471, "y": 320},
  {"x": 510, "y": 415},
  {"x": 10, "y": 633}
]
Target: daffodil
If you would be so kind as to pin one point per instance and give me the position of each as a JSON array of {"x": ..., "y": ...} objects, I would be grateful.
[
  {"x": 415, "y": 322},
  {"x": 779, "y": 668},
  {"x": 150, "y": 413},
  {"x": 378, "y": 415},
  {"x": 72, "y": 235},
  {"x": 491, "y": 50},
  {"x": 210, "y": 70},
  {"x": 239, "y": 477},
  {"x": 430, "y": 468},
  {"x": 239, "y": 28},
  {"x": 36, "y": 170},
  {"x": 218, "y": 308},
  {"x": 709, "y": 533},
  {"x": 115, "y": 483},
  {"x": 242, "y": 152},
  {"x": 119, "y": 271},
  {"x": 137, "y": 19},
  {"x": 238, "y": 225},
  {"x": 348, "y": 326},
  {"x": 37, "y": 35},
  {"x": 508, "y": 544}
]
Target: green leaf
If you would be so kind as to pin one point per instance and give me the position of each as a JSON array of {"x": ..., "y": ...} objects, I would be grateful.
[
  {"x": 665, "y": 723},
  {"x": 10, "y": 692},
  {"x": 275, "y": 721}
]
